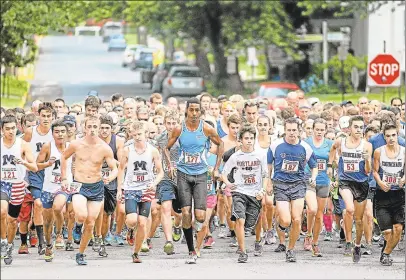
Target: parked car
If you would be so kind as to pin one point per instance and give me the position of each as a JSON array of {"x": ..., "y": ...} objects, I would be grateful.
[
  {"x": 143, "y": 58},
  {"x": 111, "y": 28},
  {"x": 183, "y": 81},
  {"x": 129, "y": 54},
  {"x": 161, "y": 72},
  {"x": 117, "y": 42}
]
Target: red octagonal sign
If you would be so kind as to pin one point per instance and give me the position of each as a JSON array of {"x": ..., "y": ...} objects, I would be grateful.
[{"x": 384, "y": 69}]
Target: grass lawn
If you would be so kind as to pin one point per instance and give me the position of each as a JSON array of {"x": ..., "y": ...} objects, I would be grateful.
[
  {"x": 336, "y": 98},
  {"x": 131, "y": 39},
  {"x": 14, "y": 92}
]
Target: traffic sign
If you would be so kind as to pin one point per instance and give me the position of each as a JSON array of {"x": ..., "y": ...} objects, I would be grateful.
[{"x": 384, "y": 71}]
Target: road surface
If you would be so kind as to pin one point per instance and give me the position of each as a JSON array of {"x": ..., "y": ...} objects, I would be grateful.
[
  {"x": 219, "y": 262},
  {"x": 70, "y": 66}
]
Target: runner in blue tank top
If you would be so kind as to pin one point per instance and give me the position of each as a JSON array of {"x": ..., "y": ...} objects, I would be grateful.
[
  {"x": 316, "y": 198},
  {"x": 192, "y": 166},
  {"x": 289, "y": 157},
  {"x": 354, "y": 166}
]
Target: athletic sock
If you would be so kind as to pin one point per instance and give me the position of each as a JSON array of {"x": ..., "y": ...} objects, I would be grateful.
[
  {"x": 23, "y": 239},
  {"x": 328, "y": 222},
  {"x": 232, "y": 233},
  {"x": 40, "y": 234},
  {"x": 342, "y": 233},
  {"x": 189, "y": 238},
  {"x": 384, "y": 245}
]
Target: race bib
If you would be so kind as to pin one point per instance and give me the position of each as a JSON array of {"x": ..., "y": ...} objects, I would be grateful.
[
  {"x": 391, "y": 179},
  {"x": 290, "y": 166},
  {"x": 139, "y": 178},
  {"x": 351, "y": 166},
  {"x": 249, "y": 179},
  {"x": 173, "y": 164},
  {"x": 105, "y": 173},
  {"x": 9, "y": 174},
  {"x": 321, "y": 164},
  {"x": 74, "y": 187},
  {"x": 192, "y": 158},
  {"x": 56, "y": 178},
  {"x": 209, "y": 183}
]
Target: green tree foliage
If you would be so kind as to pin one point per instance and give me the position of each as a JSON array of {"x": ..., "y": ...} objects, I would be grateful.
[{"x": 341, "y": 8}]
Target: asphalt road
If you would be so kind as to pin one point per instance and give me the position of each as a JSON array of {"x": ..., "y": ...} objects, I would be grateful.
[
  {"x": 216, "y": 263},
  {"x": 70, "y": 66}
]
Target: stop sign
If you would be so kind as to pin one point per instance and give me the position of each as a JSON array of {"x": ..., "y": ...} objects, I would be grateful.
[{"x": 384, "y": 69}]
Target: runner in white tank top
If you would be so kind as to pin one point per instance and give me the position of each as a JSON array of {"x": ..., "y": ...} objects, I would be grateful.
[
  {"x": 138, "y": 182},
  {"x": 54, "y": 198},
  {"x": 16, "y": 158}
]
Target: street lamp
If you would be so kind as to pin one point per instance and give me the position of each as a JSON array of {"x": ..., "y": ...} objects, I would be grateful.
[{"x": 342, "y": 56}]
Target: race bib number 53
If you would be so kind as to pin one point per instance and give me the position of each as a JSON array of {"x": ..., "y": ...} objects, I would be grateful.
[
  {"x": 351, "y": 167},
  {"x": 290, "y": 166}
]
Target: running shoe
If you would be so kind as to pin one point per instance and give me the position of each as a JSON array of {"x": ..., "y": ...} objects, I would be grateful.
[
  {"x": 136, "y": 258},
  {"x": 144, "y": 247},
  {"x": 367, "y": 249},
  {"x": 59, "y": 242},
  {"x": 169, "y": 249},
  {"x": 239, "y": 251},
  {"x": 216, "y": 221},
  {"x": 222, "y": 232},
  {"x": 33, "y": 238},
  {"x": 376, "y": 238},
  {"x": 23, "y": 250},
  {"x": 290, "y": 256},
  {"x": 91, "y": 241},
  {"x": 41, "y": 249},
  {"x": 233, "y": 242},
  {"x": 97, "y": 244},
  {"x": 356, "y": 254},
  {"x": 130, "y": 237},
  {"x": 102, "y": 251},
  {"x": 386, "y": 260},
  {"x": 307, "y": 243},
  {"x": 208, "y": 243},
  {"x": 341, "y": 243},
  {"x": 192, "y": 258},
  {"x": 273, "y": 236},
  {"x": 176, "y": 233},
  {"x": 77, "y": 235},
  {"x": 247, "y": 233},
  {"x": 267, "y": 237},
  {"x": 49, "y": 253},
  {"x": 381, "y": 241},
  {"x": 316, "y": 251},
  {"x": 157, "y": 234},
  {"x": 65, "y": 233},
  {"x": 80, "y": 259},
  {"x": 243, "y": 257},
  {"x": 347, "y": 249},
  {"x": 328, "y": 236},
  {"x": 258, "y": 247},
  {"x": 118, "y": 240},
  {"x": 109, "y": 239},
  {"x": 149, "y": 242},
  {"x": 183, "y": 240},
  {"x": 69, "y": 246},
  {"x": 280, "y": 248}
]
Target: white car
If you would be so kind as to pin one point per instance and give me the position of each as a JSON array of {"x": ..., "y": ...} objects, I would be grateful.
[{"x": 129, "y": 54}]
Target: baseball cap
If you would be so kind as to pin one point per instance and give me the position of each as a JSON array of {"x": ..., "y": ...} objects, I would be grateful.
[
  {"x": 346, "y": 102},
  {"x": 68, "y": 119},
  {"x": 344, "y": 122},
  {"x": 92, "y": 93}
]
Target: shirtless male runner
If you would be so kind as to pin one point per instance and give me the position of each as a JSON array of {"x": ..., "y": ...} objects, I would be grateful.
[
  {"x": 16, "y": 158},
  {"x": 91, "y": 152},
  {"x": 192, "y": 166}
]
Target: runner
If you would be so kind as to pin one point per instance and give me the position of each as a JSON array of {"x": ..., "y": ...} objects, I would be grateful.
[
  {"x": 166, "y": 188},
  {"x": 90, "y": 152},
  {"x": 353, "y": 168},
  {"x": 227, "y": 108},
  {"x": 137, "y": 186},
  {"x": 192, "y": 169},
  {"x": 16, "y": 158},
  {"x": 53, "y": 198},
  {"x": 389, "y": 164},
  {"x": 288, "y": 157},
  {"x": 250, "y": 182},
  {"x": 316, "y": 198},
  {"x": 110, "y": 190},
  {"x": 37, "y": 136}
]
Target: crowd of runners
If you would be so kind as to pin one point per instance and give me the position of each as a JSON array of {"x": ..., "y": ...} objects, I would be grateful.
[{"x": 113, "y": 172}]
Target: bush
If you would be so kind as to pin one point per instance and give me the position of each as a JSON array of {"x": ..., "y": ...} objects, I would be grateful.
[{"x": 323, "y": 89}]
